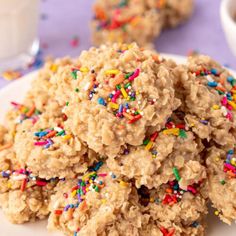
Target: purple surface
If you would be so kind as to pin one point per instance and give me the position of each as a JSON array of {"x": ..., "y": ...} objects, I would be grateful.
[{"x": 62, "y": 20}]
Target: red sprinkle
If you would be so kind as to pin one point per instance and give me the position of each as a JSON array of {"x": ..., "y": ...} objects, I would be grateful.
[
  {"x": 23, "y": 185},
  {"x": 58, "y": 212},
  {"x": 41, "y": 183},
  {"x": 154, "y": 136},
  {"x": 135, "y": 119}
]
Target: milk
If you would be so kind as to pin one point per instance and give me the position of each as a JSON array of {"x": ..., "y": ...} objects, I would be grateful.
[{"x": 18, "y": 28}]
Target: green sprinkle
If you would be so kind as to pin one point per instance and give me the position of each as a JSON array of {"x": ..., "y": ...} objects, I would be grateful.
[
  {"x": 146, "y": 141},
  {"x": 96, "y": 188},
  {"x": 61, "y": 133},
  {"x": 220, "y": 92},
  {"x": 67, "y": 103},
  {"x": 37, "y": 112},
  {"x": 222, "y": 182},
  {"x": 182, "y": 133},
  {"x": 76, "y": 90},
  {"x": 128, "y": 75},
  {"x": 74, "y": 74},
  {"x": 233, "y": 82},
  {"x": 118, "y": 86},
  {"x": 127, "y": 85},
  {"x": 176, "y": 173}
]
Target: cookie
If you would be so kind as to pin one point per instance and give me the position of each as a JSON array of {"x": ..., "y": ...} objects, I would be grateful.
[
  {"x": 114, "y": 95},
  {"x": 23, "y": 196},
  {"x": 221, "y": 167},
  {"x": 96, "y": 204},
  {"x": 206, "y": 90},
  {"x": 172, "y": 151},
  {"x": 126, "y": 22}
]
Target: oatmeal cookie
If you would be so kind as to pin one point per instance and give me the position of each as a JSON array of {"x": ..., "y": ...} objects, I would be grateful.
[
  {"x": 221, "y": 166},
  {"x": 96, "y": 204},
  {"x": 207, "y": 92},
  {"x": 162, "y": 153},
  {"x": 114, "y": 94}
]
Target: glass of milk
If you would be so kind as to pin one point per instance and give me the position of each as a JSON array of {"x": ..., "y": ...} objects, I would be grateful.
[{"x": 18, "y": 32}]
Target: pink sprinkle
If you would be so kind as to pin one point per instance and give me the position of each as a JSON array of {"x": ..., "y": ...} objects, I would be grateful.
[
  {"x": 230, "y": 167},
  {"x": 224, "y": 101},
  {"x": 102, "y": 175},
  {"x": 229, "y": 116},
  {"x": 40, "y": 143},
  {"x": 116, "y": 95},
  {"x": 229, "y": 107},
  {"x": 135, "y": 74},
  {"x": 192, "y": 189}
]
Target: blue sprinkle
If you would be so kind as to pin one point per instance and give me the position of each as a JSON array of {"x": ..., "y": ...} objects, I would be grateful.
[
  {"x": 113, "y": 176},
  {"x": 214, "y": 71},
  {"x": 41, "y": 134},
  {"x": 120, "y": 108},
  {"x": 230, "y": 79},
  {"x": 231, "y": 151},
  {"x": 75, "y": 233},
  {"x": 126, "y": 105},
  {"x": 195, "y": 224},
  {"x": 205, "y": 122},
  {"x": 98, "y": 165},
  {"x": 212, "y": 84},
  {"x": 5, "y": 175},
  {"x": 101, "y": 101}
]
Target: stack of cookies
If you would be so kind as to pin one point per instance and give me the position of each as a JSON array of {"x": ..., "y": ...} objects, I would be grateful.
[{"x": 121, "y": 141}]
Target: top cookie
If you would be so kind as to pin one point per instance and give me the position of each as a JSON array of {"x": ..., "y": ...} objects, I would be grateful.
[{"x": 113, "y": 95}]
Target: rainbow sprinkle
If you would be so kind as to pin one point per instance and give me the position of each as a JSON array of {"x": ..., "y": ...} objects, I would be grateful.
[
  {"x": 174, "y": 193},
  {"x": 170, "y": 129},
  {"x": 44, "y": 137},
  {"x": 228, "y": 100},
  {"x": 230, "y": 164},
  {"x": 26, "y": 177},
  {"x": 26, "y": 113}
]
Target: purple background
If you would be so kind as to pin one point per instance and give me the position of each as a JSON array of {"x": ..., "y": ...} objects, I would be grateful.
[{"x": 61, "y": 20}]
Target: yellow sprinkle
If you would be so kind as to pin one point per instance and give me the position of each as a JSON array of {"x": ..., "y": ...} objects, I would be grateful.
[
  {"x": 112, "y": 72},
  {"x": 66, "y": 137},
  {"x": 217, "y": 159},
  {"x": 125, "y": 95},
  {"x": 233, "y": 162},
  {"x": 73, "y": 193},
  {"x": 124, "y": 184},
  {"x": 151, "y": 199},
  {"x": 174, "y": 131},
  {"x": 234, "y": 97},
  {"x": 9, "y": 185},
  {"x": 103, "y": 201},
  {"x": 149, "y": 145},
  {"x": 217, "y": 213},
  {"x": 130, "y": 46},
  {"x": 216, "y": 107},
  {"x": 233, "y": 91},
  {"x": 113, "y": 105},
  {"x": 54, "y": 68},
  {"x": 86, "y": 176},
  {"x": 84, "y": 69},
  {"x": 232, "y": 104}
]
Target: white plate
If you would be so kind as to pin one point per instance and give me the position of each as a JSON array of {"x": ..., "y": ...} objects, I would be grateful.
[{"x": 15, "y": 92}]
